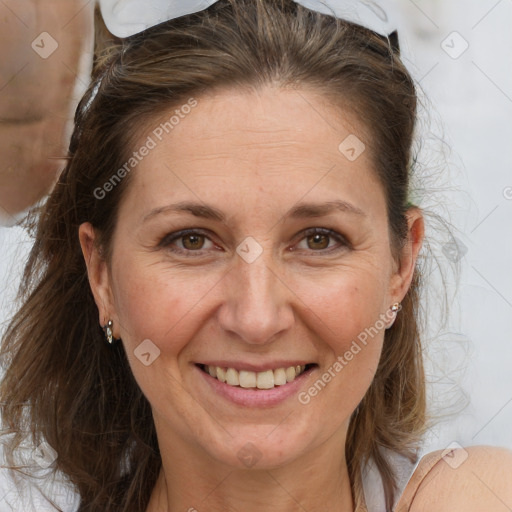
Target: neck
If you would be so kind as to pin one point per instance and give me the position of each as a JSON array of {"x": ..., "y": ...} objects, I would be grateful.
[{"x": 316, "y": 481}]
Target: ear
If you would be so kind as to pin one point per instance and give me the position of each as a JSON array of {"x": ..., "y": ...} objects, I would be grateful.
[
  {"x": 97, "y": 272},
  {"x": 401, "y": 280}
]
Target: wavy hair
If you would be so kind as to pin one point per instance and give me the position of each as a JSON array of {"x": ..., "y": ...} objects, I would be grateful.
[{"x": 62, "y": 381}]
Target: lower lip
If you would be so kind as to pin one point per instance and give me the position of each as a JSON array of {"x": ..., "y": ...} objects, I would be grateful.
[{"x": 256, "y": 397}]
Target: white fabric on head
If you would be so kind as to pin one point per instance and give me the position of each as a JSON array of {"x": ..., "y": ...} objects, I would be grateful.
[{"x": 127, "y": 17}]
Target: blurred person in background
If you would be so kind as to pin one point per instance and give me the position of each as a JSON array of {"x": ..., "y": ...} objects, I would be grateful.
[{"x": 46, "y": 51}]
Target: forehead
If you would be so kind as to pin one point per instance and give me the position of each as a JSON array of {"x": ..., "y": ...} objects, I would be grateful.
[{"x": 280, "y": 144}]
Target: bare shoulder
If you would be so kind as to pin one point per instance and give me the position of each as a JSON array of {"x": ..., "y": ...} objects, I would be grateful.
[{"x": 472, "y": 479}]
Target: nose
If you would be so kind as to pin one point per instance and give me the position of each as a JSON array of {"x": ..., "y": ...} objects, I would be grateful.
[{"x": 257, "y": 301}]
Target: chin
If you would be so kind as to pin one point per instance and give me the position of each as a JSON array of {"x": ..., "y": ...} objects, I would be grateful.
[{"x": 263, "y": 447}]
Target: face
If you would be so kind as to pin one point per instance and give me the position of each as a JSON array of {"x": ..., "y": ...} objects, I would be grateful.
[{"x": 265, "y": 278}]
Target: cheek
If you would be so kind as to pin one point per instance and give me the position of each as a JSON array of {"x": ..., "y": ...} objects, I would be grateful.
[
  {"x": 344, "y": 304},
  {"x": 158, "y": 303},
  {"x": 170, "y": 306},
  {"x": 347, "y": 317},
  {"x": 163, "y": 306}
]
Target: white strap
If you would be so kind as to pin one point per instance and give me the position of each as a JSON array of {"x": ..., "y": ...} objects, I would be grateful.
[
  {"x": 127, "y": 17},
  {"x": 373, "y": 487}
]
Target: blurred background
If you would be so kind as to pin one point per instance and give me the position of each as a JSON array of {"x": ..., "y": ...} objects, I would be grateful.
[{"x": 459, "y": 52}]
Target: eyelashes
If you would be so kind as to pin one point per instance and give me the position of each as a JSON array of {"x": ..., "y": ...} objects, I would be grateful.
[
  {"x": 167, "y": 242},
  {"x": 319, "y": 235}
]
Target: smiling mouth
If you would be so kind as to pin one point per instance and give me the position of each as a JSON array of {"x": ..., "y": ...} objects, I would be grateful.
[{"x": 256, "y": 380}]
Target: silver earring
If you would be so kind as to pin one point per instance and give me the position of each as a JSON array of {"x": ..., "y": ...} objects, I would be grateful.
[
  {"x": 108, "y": 331},
  {"x": 395, "y": 308}
]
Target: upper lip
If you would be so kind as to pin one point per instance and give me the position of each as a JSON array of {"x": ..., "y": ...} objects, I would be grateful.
[{"x": 256, "y": 367}]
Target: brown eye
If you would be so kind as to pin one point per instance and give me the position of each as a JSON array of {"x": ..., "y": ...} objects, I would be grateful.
[
  {"x": 196, "y": 242},
  {"x": 187, "y": 242},
  {"x": 318, "y": 241}
]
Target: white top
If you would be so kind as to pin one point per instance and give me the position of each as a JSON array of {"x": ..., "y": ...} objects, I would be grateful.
[
  {"x": 372, "y": 482},
  {"x": 28, "y": 497}
]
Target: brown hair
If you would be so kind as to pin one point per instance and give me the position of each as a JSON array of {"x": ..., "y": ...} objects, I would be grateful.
[{"x": 63, "y": 382}]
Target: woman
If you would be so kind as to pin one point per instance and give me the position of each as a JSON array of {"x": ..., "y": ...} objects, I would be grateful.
[{"x": 221, "y": 306}]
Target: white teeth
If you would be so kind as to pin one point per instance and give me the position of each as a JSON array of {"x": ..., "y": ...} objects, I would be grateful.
[
  {"x": 247, "y": 379},
  {"x": 232, "y": 377},
  {"x": 261, "y": 380},
  {"x": 290, "y": 373},
  {"x": 279, "y": 377},
  {"x": 221, "y": 374},
  {"x": 265, "y": 380}
]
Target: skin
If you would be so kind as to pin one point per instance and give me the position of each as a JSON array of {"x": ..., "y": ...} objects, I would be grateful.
[
  {"x": 253, "y": 155},
  {"x": 34, "y": 115},
  {"x": 481, "y": 483}
]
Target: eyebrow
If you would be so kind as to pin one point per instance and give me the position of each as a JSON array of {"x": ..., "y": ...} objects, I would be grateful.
[{"x": 299, "y": 211}]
